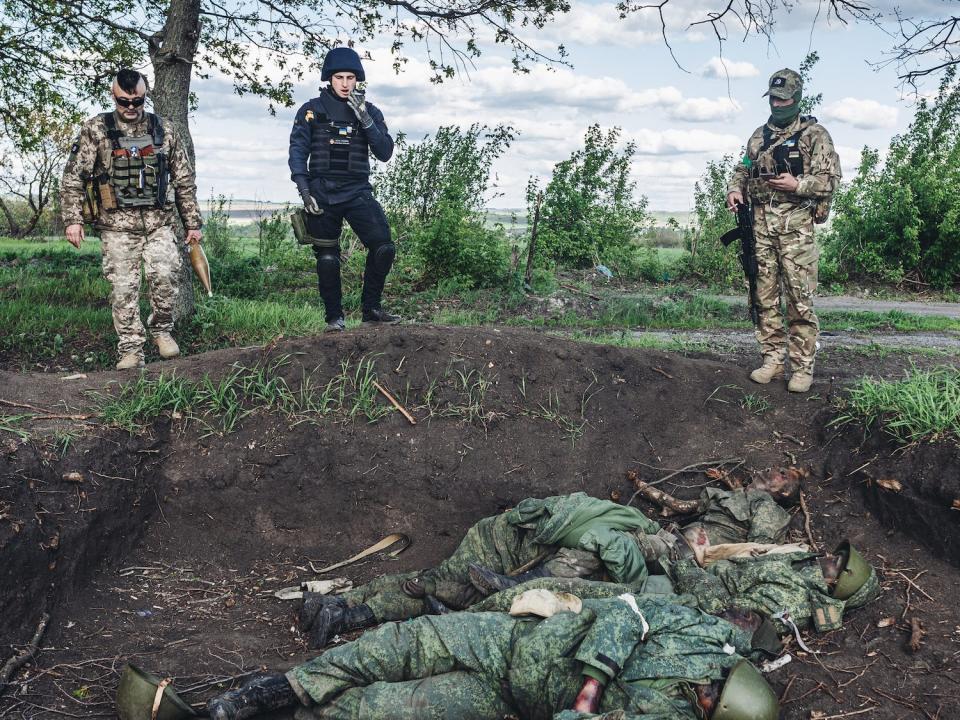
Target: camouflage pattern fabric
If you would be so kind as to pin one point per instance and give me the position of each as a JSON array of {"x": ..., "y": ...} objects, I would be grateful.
[
  {"x": 727, "y": 516},
  {"x": 91, "y": 155},
  {"x": 742, "y": 515},
  {"x": 583, "y": 525},
  {"x": 161, "y": 258},
  {"x": 786, "y": 251},
  {"x": 647, "y": 651},
  {"x": 767, "y": 584}
]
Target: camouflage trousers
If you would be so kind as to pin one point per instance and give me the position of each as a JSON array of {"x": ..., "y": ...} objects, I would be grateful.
[
  {"x": 448, "y": 666},
  {"x": 493, "y": 543},
  {"x": 787, "y": 259},
  {"x": 123, "y": 255}
]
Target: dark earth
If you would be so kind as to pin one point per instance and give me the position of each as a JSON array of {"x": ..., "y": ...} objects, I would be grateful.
[{"x": 166, "y": 547}]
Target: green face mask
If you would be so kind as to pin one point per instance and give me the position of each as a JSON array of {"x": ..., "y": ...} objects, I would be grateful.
[{"x": 784, "y": 115}]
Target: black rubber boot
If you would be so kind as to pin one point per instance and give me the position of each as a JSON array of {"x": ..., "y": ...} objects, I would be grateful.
[
  {"x": 313, "y": 603},
  {"x": 434, "y": 606},
  {"x": 260, "y": 695},
  {"x": 335, "y": 619},
  {"x": 489, "y": 582}
]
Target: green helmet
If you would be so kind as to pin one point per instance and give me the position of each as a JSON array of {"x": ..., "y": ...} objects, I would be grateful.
[
  {"x": 746, "y": 696},
  {"x": 137, "y": 692},
  {"x": 854, "y": 571}
]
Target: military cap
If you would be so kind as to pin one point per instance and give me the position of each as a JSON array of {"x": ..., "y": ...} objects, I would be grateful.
[
  {"x": 784, "y": 84},
  {"x": 342, "y": 59}
]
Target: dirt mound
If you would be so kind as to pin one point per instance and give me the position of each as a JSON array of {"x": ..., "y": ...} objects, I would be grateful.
[{"x": 168, "y": 549}]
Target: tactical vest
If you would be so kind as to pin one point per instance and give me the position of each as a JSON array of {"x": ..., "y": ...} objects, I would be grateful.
[
  {"x": 338, "y": 144},
  {"x": 138, "y": 173},
  {"x": 775, "y": 156}
]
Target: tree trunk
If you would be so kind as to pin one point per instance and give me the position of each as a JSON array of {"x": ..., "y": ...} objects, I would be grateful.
[{"x": 172, "y": 53}]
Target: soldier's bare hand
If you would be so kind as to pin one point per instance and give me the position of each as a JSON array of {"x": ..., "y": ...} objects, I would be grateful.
[
  {"x": 784, "y": 182},
  {"x": 193, "y": 236},
  {"x": 74, "y": 235},
  {"x": 733, "y": 199}
]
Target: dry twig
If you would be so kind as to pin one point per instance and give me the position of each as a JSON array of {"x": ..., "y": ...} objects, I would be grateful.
[
  {"x": 655, "y": 495},
  {"x": 393, "y": 401},
  {"x": 25, "y": 655},
  {"x": 916, "y": 634},
  {"x": 806, "y": 521}
]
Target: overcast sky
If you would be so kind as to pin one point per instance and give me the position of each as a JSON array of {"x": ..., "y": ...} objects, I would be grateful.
[{"x": 622, "y": 75}]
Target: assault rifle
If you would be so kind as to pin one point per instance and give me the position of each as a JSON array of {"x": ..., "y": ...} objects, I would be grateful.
[{"x": 748, "y": 254}]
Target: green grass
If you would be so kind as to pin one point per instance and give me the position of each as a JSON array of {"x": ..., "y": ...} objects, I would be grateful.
[
  {"x": 892, "y": 320},
  {"x": 219, "y": 405},
  {"x": 925, "y": 405}
]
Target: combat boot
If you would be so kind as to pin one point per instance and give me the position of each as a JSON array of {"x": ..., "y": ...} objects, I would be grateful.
[
  {"x": 489, "y": 582},
  {"x": 335, "y": 325},
  {"x": 800, "y": 382},
  {"x": 335, "y": 619},
  {"x": 379, "y": 315},
  {"x": 260, "y": 695},
  {"x": 313, "y": 603},
  {"x": 166, "y": 345},
  {"x": 770, "y": 371},
  {"x": 131, "y": 361}
]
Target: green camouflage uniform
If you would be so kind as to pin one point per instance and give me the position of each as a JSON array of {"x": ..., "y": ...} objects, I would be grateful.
[
  {"x": 727, "y": 516},
  {"x": 465, "y": 666},
  {"x": 570, "y": 531},
  {"x": 785, "y": 245},
  {"x": 769, "y": 584},
  {"x": 134, "y": 236}
]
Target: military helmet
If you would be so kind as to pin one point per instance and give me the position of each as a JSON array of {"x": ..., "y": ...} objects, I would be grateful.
[
  {"x": 746, "y": 696},
  {"x": 342, "y": 59},
  {"x": 784, "y": 84},
  {"x": 137, "y": 693},
  {"x": 854, "y": 571}
]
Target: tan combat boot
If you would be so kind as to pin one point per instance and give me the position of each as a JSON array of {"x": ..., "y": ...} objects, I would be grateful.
[
  {"x": 768, "y": 372},
  {"x": 800, "y": 382},
  {"x": 166, "y": 345},
  {"x": 130, "y": 361}
]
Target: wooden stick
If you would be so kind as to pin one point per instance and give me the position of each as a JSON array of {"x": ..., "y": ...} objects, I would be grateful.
[
  {"x": 915, "y": 586},
  {"x": 46, "y": 413},
  {"x": 806, "y": 521},
  {"x": 655, "y": 495},
  {"x": 24, "y": 656},
  {"x": 394, "y": 402},
  {"x": 916, "y": 634},
  {"x": 662, "y": 372},
  {"x": 530, "y": 564}
]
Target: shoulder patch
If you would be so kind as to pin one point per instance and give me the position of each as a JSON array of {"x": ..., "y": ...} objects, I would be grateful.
[
  {"x": 309, "y": 116},
  {"x": 75, "y": 148}
]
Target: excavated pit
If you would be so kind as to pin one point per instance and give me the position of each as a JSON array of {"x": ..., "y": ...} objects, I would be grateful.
[{"x": 167, "y": 551}]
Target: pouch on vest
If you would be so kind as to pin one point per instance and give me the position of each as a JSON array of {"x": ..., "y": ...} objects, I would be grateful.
[
  {"x": 299, "y": 221},
  {"x": 821, "y": 211},
  {"x": 828, "y": 616}
]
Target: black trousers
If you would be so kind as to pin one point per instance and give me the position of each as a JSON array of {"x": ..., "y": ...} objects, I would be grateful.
[{"x": 367, "y": 219}]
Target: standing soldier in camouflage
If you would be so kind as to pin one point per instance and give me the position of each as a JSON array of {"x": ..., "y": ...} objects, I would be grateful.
[
  {"x": 789, "y": 172},
  {"x": 116, "y": 177}
]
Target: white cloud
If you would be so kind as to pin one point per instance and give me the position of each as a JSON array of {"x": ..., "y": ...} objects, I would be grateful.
[
  {"x": 717, "y": 67},
  {"x": 600, "y": 24},
  {"x": 705, "y": 110},
  {"x": 862, "y": 114},
  {"x": 676, "y": 142}
]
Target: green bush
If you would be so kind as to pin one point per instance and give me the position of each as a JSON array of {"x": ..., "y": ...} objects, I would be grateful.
[
  {"x": 900, "y": 220},
  {"x": 456, "y": 244},
  {"x": 216, "y": 227},
  {"x": 708, "y": 259},
  {"x": 590, "y": 210}
]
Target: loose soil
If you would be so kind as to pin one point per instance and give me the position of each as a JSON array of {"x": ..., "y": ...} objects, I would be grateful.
[{"x": 167, "y": 547}]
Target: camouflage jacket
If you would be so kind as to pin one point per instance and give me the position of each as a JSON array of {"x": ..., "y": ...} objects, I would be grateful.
[
  {"x": 768, "y": 584},
  {"x": 735, "y": 516},
  {"x": 91, "y": 154},
  {"x": 821, "y": 164}
]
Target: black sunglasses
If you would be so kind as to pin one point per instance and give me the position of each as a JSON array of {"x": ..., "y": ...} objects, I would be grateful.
[{"x": 128, "y": 102}]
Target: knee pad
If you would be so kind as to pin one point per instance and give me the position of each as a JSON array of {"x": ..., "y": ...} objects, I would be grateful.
[
  {"x": 328, "y": 264},
  {"x": 383, "y": 257}
]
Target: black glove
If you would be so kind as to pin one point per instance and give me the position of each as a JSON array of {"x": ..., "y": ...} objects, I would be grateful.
[
  {"x": 357, "y": 102},
  {"x": 310, "y": 203}
]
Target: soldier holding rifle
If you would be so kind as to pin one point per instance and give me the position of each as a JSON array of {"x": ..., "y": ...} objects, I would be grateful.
[{"x": 789, "y": 174}]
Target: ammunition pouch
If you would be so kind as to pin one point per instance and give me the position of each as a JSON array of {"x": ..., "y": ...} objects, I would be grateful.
[
  {"x": 138, "y": 175},
  {"x": 90, "y": 206},
  {"x": 827, "y": 615},
  {"x": 821, "y": 211},
  {"x": 299, "y": 221}
]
